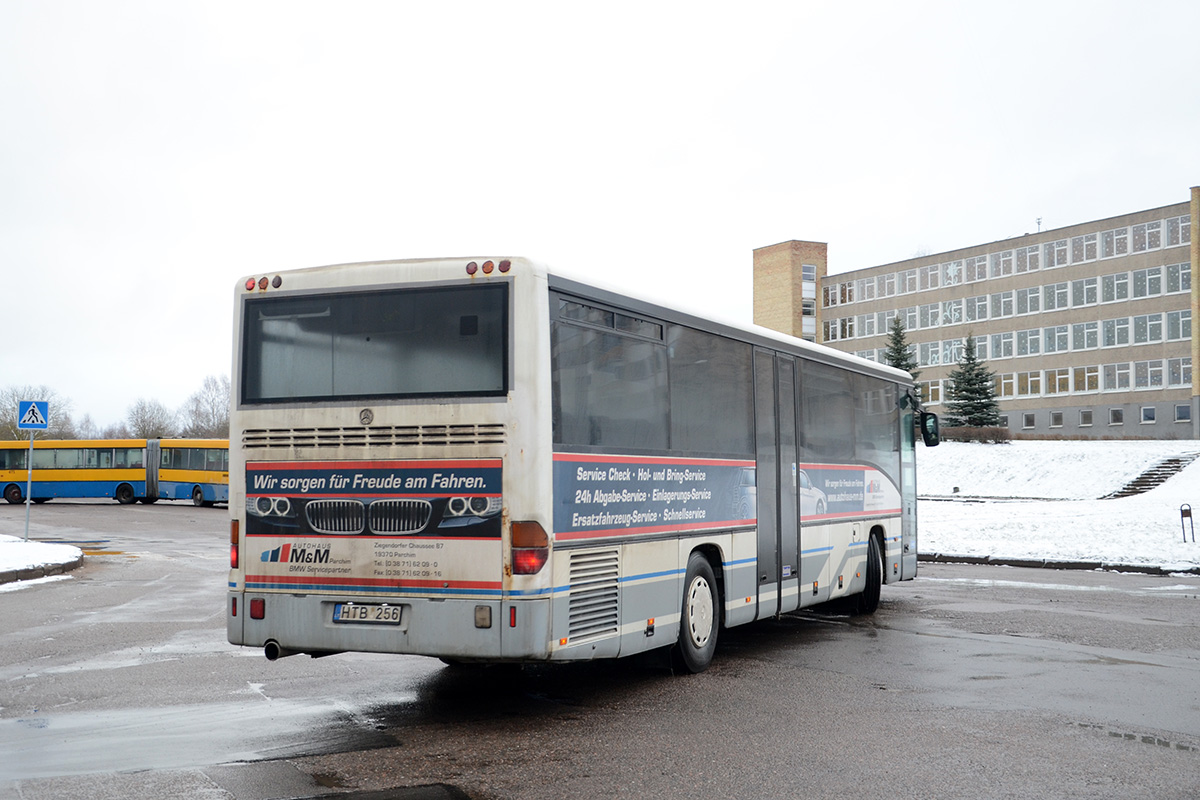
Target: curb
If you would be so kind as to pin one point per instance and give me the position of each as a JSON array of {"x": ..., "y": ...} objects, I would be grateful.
[
  {"x": 42, "y": 571},
  {"x": 1046, "y": 563}
]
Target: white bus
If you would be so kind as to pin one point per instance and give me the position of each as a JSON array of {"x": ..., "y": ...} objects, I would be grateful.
[{"x": 488, "y": 461}]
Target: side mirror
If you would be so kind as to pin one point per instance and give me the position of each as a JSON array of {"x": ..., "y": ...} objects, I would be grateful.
[{"x": 929, "y": 429}]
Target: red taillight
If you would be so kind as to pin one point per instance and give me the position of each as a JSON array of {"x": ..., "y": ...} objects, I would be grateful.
[
  {"x": 530, "y": 548},
  {"x": 250, "y": 284},
  {"x": 258, "y": 608},
  {"x": 233, "y": 544}
]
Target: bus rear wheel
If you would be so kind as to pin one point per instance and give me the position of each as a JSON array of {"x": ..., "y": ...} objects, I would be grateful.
[
  {"x": 700, "y": 618},
  {"x": 124, "y": 494},
  {"x": 12, "y": 493},
  {"x": 198, "y": 497}
]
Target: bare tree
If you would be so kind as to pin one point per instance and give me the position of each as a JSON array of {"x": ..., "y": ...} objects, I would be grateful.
[
  {"x": 86, "y": 429},
  {"x": 150, "y": 419},
  {"x": 205, "y": 415},
  {"x": 61, "y": 426}
]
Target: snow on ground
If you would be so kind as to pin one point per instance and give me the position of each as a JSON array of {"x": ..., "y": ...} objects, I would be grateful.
[
  {"x": 991, "y": 514},
  {"x": 1069, "y": 524}
]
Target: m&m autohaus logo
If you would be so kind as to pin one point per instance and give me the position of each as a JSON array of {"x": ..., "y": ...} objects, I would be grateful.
[{"x": 287, "y": 554}]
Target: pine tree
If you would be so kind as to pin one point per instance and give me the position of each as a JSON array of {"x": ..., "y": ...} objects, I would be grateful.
[
  {"x": 971, "y": 393},
  {"x": 898, "y": 353}
]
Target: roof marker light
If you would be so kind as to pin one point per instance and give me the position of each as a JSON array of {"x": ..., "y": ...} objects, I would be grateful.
[
  {"x": 250, "y": 284},
  {"x": 488, "y": 267},
  {"x": 505, "y": 265},
  {"x": 472, "y": 268},
  {"x": 262, "y": 282},
  {"x": 276, "y": 281}
]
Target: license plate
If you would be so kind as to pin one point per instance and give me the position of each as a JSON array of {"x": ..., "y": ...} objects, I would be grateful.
[{"x": 366, "y": 612}]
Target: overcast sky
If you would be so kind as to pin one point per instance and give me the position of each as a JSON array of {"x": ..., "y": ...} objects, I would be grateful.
[{"x": 153, "y": 153}]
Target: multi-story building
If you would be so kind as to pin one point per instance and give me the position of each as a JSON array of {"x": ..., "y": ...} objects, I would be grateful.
[{"x": 1088, "y": 327}]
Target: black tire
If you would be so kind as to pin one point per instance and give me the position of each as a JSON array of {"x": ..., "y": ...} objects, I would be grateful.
[
  {"x": 868, "y": 601},
  {"x": 197, "y": 496},
  {"x": 12, "y": 493},
  {"x": 40, "y": 500},
  {"x": 148, "y": 500},
  {"x": 700, "y": 618},
  {"x": 124, "y": 494}
]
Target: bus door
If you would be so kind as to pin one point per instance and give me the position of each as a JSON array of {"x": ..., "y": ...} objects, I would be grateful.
[{"x": 775, "y": 437}]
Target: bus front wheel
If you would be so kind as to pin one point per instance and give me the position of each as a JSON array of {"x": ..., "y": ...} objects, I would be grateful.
[
  {"x": 125, "y": 494},
  {"x": 701, "y": 616},
  {"x": 198, "y": 496},
  {"x": 12, "y": 493},
  {"x": 868, "y": 601}
]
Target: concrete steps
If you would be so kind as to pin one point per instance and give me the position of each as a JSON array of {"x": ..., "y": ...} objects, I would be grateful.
[{"x": 1156, "y": 475}]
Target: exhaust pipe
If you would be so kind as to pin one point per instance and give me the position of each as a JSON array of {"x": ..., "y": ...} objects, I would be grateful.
[{"x": 274, "y": 651}]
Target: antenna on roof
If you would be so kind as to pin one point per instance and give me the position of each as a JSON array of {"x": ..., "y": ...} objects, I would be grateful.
[{"x": 1039, "y": 224}]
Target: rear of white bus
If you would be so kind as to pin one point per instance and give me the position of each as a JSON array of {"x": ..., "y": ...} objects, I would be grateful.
[{"x": 390, "y": 461}]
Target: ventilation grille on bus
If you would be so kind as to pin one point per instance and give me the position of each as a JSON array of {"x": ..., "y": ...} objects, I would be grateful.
[
  {"x": 412, "y": 435},
  {"x": 335, "y": 516},
  {"x": 398, "y": 516},
  {"x": 593, "y": 598}
]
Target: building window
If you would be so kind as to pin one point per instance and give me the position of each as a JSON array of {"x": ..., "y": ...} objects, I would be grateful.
[
  {"x": 1003, "y": 384},
  {"x": 1087, "y": 379},
  {"x": 1057, "y": 339},
  {"x": 1084, "y": 292},
  {"x": 1116, "y": 377},
  {"x": 1179, "y": 278},
  {"x": 931, "y": 392},
  {"x": 952, "y": 273},
  {"x": 1148, "y": 415},
  {"x": 930, "y": 315},
  {"x": 1115, "y": 331},
  {"x": 1004, "y": 420},
  {"x": 1147, "y": 236},
  {"x": 1058, "y": 381},
  {"x": 866, "y": 324},
  {"x": 1114, "y": 288},
  {"x": 930, "y": 276},
  {"x": 1029, "y": 343},
  {"x": 864, "y": 289},
  {"x": 1179, "y": 371},
  {"x": 1147, "y": 328},
  {"x": 1029, "y": 384},
  {"x": 976, "y": 268},
  {"x": 1085, "y": 335},
  {"x": 952, "y": 312},
  {"x": 1115, "y": 243},
  {"x": 981, "y": 347},
  {"x": 1179, "y": 230},
  {"x": 910, "y": 318},
  {"x": 1055, "y": 296},
  {"x": 1116, "y": 416},
  {"x": 1002, "y": 345},
  {"x": 1083, "y": 248},
  {"x": 1028, "y": 420},
  {"x": 930, "y": 354},
  {"x": 1183, "y": 413},
  {"x": 1056, "y": 419},
  {"x": 847, "y": 292},
  {"x": 829, "y": 297},
  {"x": 808, "y": 308},
  {"x": 1002, "y": 305},
  {"x": 1056, "y": 254},
  {"x": 907, "y": 280},
  {"x": 1179, "y": 325},
  {"x": 1027, "y": 259},
  {"x": 1147, "y": 282},
  {"x": 1002, "y": 264},
  {"x": 1085, "y": 418},
  {"x": 1148, "y": 374},
  {"x": 885, "y": 285},
  {"x": 976, "y": 308},
  {"x": 1029, "y": 301},
  {"x": 808, "y": 272}
]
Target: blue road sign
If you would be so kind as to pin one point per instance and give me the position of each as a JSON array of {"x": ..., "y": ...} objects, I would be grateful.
[{"x": 33, "y": 415}]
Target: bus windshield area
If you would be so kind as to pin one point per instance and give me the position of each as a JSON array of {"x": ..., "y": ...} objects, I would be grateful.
[{"x": 427, "y": 342}]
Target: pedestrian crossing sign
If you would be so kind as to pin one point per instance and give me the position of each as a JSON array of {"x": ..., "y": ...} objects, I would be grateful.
[{"x": 33, "y": 415}]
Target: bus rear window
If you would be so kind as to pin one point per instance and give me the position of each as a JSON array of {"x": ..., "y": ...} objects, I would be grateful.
[{"x": 438, "y": 342}]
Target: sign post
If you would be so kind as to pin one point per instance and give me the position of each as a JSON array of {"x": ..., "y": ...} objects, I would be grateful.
[{"x": 32, "y": 416}]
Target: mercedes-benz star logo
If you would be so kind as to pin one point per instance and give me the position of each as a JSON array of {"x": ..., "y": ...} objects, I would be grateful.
[{"x": 366, "y": 416}]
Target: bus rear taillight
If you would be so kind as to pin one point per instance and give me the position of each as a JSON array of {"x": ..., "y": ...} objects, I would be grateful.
[
  {"x": 530, "y": 548},
  {"x": 233, "y": 544}
]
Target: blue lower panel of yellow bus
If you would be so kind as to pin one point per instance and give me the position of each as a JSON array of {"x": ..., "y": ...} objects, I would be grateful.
[
  {"x": 75, "y": 489},
  {"x": 213, "y": 492}
]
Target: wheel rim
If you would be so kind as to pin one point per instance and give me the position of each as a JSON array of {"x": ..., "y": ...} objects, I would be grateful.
[{"x": 700, "y": 612}]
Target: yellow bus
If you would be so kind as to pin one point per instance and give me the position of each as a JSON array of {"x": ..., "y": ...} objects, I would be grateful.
[
  {"x": 127, "y": 470},
  {"x": 194, "y": 468}
]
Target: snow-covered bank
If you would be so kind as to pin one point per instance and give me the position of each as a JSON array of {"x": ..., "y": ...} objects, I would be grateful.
[
  {"x": 1070, "y": 524},
  {"x": 19, "y": 556}
]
